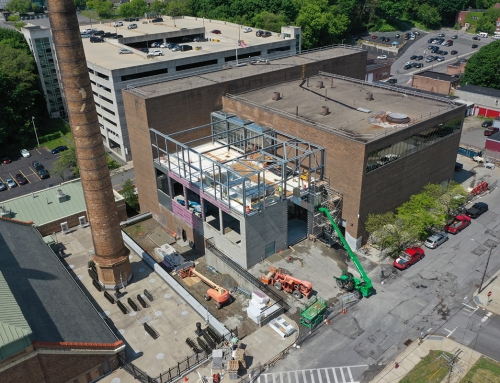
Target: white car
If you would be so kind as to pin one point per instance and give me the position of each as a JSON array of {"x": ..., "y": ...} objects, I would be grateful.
[
  {"x": 163, "y": 45},
  {"x": 25, "y": 153},
  {"x": 118, "y": 24},
  {"x": 382, "y": 57},
  {"x": 156, "y": 52},
  {"x": 246, "y": 30},
  {"x": 125, "y": 51},
  {"x": 132, "y": 26}
]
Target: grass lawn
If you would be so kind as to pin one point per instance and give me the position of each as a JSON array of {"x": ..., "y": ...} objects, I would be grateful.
[
  {"x": 484, "y": 371},
  {"x": 58, "y": 141},
  {"x": 430, "y": 369}
]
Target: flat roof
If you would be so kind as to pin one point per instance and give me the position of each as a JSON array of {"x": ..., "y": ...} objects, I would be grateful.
[
  {"x": 194, "y": 80},
  {"x": 480, "y": 90},
  {"x": 50, "y": 300},
  {"x": 106, "y": 54},
  {"x": 350, "y": 113},
  {"x": 438, "y": 75},
  {"x": 43, "y": 206}
]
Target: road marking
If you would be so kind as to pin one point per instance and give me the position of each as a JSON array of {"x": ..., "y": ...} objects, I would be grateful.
[
  {"x": 24, "y": 175},
  {"x": 472, "y": 308},
  {"x": 14, "y": 179},
  {"x": 335, "y": 375},
  {"x": 327, "y": 375},
  {"x": 342, "y": 374},
  {"x": 350, "y": 375},
  {"x": 450, "y": 332},
  {"x": 472, "y": 311},
  {"x": 279, "y": 377},
  {"x": 485, "y": 318},
  {"x": 429, "y": 330},
  {"x": 319, "y": 376}
]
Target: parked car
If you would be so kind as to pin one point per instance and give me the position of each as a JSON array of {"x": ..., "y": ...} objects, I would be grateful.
[
  {"x": 157, "y": 20},
  {"x": 420, "y": 58},
  {"x": 131, "y": 19},
  {"x": 382, "y": 57},
  {"x": 39, "y": 167},
  {"x": 98, "y": 33},
  {"x": 474, "y": 46},
  {"x": 199, "y": 39},
  {"x": 84, "y": 35},
  {"x": 163, "y": 45},
  {"x": 156, "y": 52},
  {"x": 397, "y": 35},
  {"x": 435, "y": 240},
  {"x": 454, "y": 37},
  {"x": 118, "y": 36},
  {"x": 59, "y": 149},
  {"x": 476, "y": 38},
  {"x": 487, "y": 124},
  {"x": 155, "y": 45},
  {"x": 374, "y": 37},
  {"x": 175, "y": 48},
  {"x": 418, "y": 65},
  {"x": 409, "y": 257},
  {"x": 6, "y": 160},
  {"x": 95, "y": 39},
  {"x": 145, "y": 50},
  {"x": 453, "y": 52},
  {"x": 392, "y": 81},
  {"x": 441, "y": 35},
  {"x": 408, "y": 66},
  {"x": 477, "y": 209},
  {"x": 430, "y": 59},
  {"x": 118, "y": 24},
  {"x": 490, "y": 131},
  {"x": 386, "y": 159},
  {"x": 414, "y": 57},
  {"x": 185, "y": 48},
  {"x": 441, "y": 58},
  {"x": 109, "y": 34},
  {"x": 43, "y": 174},
  {"x": 458, "y": 166},
  {"x": 457, "y": 224},
  {"x": 247, "y": 29},
  {"x": 21, "y": 180},
  {"x": 132, "y": 26},
  {"x": 10, "y": 183},
  {"x": 2, "y": 186},
  {"x": 216, "y": 32},
  {"x": 25, "y": 153}
]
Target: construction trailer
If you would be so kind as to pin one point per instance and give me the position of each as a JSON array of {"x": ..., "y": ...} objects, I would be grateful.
[{"x": 250, "y": 189}]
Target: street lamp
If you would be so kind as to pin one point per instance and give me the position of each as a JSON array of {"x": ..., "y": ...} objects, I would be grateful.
[
  {"x": 486, "y": 267},
  {"x": 34, "y": 128}
]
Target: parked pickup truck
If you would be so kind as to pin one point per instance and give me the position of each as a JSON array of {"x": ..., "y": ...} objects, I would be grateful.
[{"x": 458, "y": 223}]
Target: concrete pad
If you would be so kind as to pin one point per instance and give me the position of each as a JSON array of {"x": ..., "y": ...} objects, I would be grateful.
[
  {"x": 408, "y": 309},
  {"x": 491, "y": 303}
]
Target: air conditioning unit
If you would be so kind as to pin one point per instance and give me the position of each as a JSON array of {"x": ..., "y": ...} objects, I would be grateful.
[
  {"x": 82, "y": 220},
  {"x": 64, "y": 227}
]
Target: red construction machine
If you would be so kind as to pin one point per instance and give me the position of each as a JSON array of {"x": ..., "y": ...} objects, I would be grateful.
[
  {"x": 286, "y": 282},
  {"x": 219, "y": 294}
]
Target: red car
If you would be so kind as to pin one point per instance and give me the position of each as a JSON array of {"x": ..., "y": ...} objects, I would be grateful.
[
  {"x": 409, "y": 257},
  {"x": 6, "y": 160},
  {"x": 21, "y": 180},
  {"x": 216, "y": 32},
  {"x": 490, "y": 131},
  {"x": 458, "y": 223},
  {"x": 374, "y": 37}
]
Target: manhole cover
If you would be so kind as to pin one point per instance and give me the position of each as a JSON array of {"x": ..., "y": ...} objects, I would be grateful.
[
  {"x": 408, "y": 342},
  {"x": 161, "y": 355},
  {"x": 158, "y": 313},
  {"x": 184, "y": 312},
  {"x": 142, "y": 269},
  {"x": 152, "y": 280},
  {"x": 167, "y": 296}
]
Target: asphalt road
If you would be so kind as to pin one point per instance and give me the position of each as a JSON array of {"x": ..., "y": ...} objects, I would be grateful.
[{"x": 434, "y": 296}]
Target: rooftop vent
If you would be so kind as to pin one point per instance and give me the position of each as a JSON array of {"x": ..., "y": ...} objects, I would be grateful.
[
  {"x": 4, "y": 213},
  {"x": 369, "y": 96},
  {"x": 324, "y": 110},
  {"x": 276, "y": 96},
  {"x": 319, "y": 84},
  {"x": 61, "y": 196},
  {"x": 398, "y": 118}
]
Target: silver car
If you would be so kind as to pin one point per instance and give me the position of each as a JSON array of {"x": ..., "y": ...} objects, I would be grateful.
[
  {"x": 10, "y": 183},
  {"x": 125, "y": 51},
  {"x": 435, "y": 240},
  {"x": 2, "y": 186}
]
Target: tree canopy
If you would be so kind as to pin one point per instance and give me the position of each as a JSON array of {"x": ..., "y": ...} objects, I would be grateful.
[
  {"x": 21, "y": 6},
  {"x": 18, "y": 80},
  {"x": 103, "y": 8},
  {"x": 134, "y": 8},
  {"x": 483, "y": 68}
]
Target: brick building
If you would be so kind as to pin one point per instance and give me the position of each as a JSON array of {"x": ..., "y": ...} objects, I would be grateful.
[
  {"x": 377, "y": 72},
  {"x": 435, "y": 82},
  {"x": 49, "y": 330},
  {"x": 382, "y": 144},
  {"x": 486, "y": 100}
]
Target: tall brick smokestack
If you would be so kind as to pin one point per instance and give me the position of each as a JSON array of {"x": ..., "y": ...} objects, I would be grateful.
[{"x": 110, "y": 253}]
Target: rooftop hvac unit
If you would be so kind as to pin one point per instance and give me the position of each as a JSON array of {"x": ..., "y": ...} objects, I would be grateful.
[
  {"x": 82, "y": 220},
  {"x": 64, "y": 227},
  {"x": 4, "y": 213},
  {"x": 61, "y": 196}
]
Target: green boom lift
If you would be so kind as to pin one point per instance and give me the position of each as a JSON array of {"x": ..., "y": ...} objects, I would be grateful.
[{"x": 359, "y": 287}]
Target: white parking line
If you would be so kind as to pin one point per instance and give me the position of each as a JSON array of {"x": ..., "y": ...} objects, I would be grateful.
[{"x": 450, "y": 332}]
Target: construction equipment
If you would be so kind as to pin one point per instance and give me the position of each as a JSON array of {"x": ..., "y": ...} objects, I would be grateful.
[
  {"x": 286, "y": 282},
  {"x": 219, "y": 294},
  {"x": 314, "y": 313},
  {"x": 359, "y": 287}
]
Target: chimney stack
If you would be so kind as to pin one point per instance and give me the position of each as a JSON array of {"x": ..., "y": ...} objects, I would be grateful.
[{"x": 110, "y": 254}]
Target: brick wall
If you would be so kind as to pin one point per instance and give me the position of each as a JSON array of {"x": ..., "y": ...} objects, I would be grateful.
[
  {"x": 189, "y": 108},
  {"x": 57, "y": 368},
  {"x": 456, "y": 69},
  {"x": 432, "y": 84},
  {"x": 380, "y": 73}
]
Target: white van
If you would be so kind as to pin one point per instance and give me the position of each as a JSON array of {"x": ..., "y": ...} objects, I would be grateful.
[{"x": 482, "y": 34}]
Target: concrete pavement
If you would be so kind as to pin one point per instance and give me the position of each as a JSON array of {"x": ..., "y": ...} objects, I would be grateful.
[
  {"x": 410, "y": 357},
  {"x": 491, "y": 303}
]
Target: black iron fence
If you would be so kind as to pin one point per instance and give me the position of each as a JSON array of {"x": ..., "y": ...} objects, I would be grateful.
[
  {"x": 185, "y": 365},
  {"x": 209, "y": 244},
  {"x": 135, "y": 371}
]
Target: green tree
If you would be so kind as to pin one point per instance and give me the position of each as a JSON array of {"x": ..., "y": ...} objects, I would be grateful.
[
  {"x": 81, "y": 4},
  {"x": 129, "y": 194},
  {"x": 66, "y": 161},
  {"x": 14, "y": 18},
  {"x": 35, "y": 8},
  {"x": 158, "y": 6},
  {"x": 321, "y": 23},
  {"x": 269, "y": 21},
  {"x": 103, "y": 8},
  {"x": 134, "y": 8},
  {"x": 20, "y": 6},
  {"x": 487, "y": 23},
  {"x": 428, "y": 15},
  {"x": 179, "y": 8},
  {"x": 483, "y": 68}
]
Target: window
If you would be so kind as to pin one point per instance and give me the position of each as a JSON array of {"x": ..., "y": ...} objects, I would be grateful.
[
  {"x": 101, "y": 75},
  {"x": 106, "y": 99},
  {"x": 196, "y": 65},
  {"x": 136, "y": 76},
  {"x": 107, "y": 110}
]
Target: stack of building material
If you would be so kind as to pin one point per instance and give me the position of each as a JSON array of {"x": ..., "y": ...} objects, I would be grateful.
[
  {"x": 232, "y": 369},
  {"x": 217, "y": 358},
  {"x": 239, "y": 355},
  {"x": 257, "y": 304}
]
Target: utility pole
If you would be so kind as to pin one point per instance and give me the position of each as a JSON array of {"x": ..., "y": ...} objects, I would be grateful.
[
  {"x": 34, "y": 128},
  {"x": 452, "y": 362},
  {"x": 484, "y": 273}
]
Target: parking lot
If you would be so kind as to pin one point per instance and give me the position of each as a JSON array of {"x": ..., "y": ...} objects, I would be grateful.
[{"x": 23, "y": 166}]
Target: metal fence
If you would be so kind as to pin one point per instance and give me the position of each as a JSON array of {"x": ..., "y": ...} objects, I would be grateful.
[
  {"x": 210, "y": 245},
  {"x": 183, "y": 366},
  {"x": 135, "y": 371}
]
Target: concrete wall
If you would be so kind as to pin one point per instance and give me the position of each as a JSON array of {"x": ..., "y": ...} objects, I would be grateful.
[
  {"x": 492, "y": 102},
  {"x": 189, "y": 108}
]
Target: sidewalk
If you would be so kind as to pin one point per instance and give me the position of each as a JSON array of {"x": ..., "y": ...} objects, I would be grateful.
[
  {"x": 129, "y": 165},
  {"x": 410, "y": 357},
  {"x": 491, "y": 303}
]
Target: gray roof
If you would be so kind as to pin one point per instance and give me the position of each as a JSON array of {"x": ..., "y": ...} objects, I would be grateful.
[
  {"x": 480, "y": 90},
  {"x": 438, "y": 75},
  {"x": 54, "y": 306}
]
